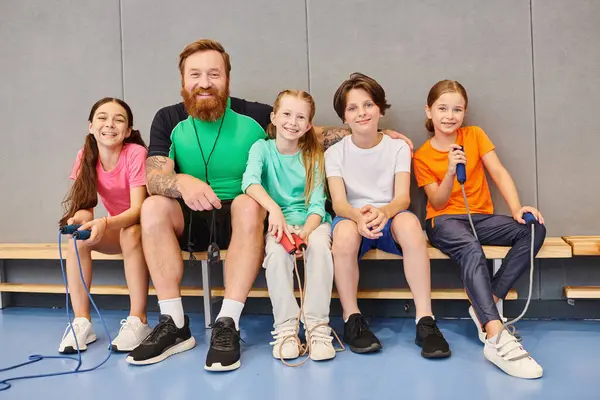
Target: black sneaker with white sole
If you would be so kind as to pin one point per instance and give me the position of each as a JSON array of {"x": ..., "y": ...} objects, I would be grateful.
[
  {"x": 431, "y": 340},
  {"x": 164, "y": 341},
  {"x": 224, "y": 352},
  {"x": 358, "y": 335}
]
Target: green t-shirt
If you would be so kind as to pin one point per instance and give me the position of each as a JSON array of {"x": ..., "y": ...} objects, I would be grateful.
[
  {"x": 284, "y": 178},
  {"x": 227, "y": 164}
]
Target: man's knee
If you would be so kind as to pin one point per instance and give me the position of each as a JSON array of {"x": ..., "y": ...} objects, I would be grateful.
[
  {"x": 247, "y": 214},
  {"x": 155, "y": 212}
]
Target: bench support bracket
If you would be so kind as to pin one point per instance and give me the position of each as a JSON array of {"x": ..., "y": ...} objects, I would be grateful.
[
  {"x": 3, "y": 299},
  {"x": 207, "y": 294}
]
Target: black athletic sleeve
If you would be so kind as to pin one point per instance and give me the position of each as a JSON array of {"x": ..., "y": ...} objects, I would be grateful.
[
  {"x": 262, "y": 113},
  {"x": 259, "y": 112},
  {"x": 160, "y": 135},
  {"x": 165, "y": 120}
]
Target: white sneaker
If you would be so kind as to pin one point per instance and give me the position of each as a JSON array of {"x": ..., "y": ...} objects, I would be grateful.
[
  {"x": 321, "y": 346},
  {"x": 480, "y": 332},
  {"x": 85, "y": 335},
  {"x": 131, "y": 334},
  {"x": 291, "y": 348},
  {"x": 507, "y": 353}
]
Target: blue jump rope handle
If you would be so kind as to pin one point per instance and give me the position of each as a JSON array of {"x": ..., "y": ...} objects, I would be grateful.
[
  {"x": 72, "y": 230},
  {"x": 461, "y": 171},
  {"x": 529, "y": 218}
]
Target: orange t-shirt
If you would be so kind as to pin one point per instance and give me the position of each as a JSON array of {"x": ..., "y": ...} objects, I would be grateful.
[{"x": 430, "y": 165}]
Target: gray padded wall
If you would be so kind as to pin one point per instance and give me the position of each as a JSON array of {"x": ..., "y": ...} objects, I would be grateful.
[
  {"x": 409, "y": 46},
  {"x": 567, "y": 85},
  {"x": 56, "y": 60},
  {"x": 264, "y": 59}
]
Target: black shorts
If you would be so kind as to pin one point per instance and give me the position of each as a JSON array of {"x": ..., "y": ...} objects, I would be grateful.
[{"x": 201, "y": 225}]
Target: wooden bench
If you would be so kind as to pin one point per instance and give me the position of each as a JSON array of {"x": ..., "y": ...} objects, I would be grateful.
[
  {"x": 583, "y": 246},
  {"x": 553, "y": 248}
]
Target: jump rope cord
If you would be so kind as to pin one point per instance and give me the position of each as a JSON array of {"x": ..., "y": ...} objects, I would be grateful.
[
  {"x": 5, "y": 385},
  {"x": 509, "y": 324},
  {"x": 304, "y": 348}
]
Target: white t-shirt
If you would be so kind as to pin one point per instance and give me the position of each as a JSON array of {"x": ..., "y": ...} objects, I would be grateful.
[{"x": 368, "y": 174}]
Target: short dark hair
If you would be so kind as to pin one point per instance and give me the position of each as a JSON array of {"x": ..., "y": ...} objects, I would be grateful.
[{"x": 359, "y": 81}]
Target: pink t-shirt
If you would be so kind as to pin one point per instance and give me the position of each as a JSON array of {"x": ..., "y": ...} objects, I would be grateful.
[{"x": 114, "y": 186}]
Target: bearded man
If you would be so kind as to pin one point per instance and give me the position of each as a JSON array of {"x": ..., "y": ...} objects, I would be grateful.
[{"x": 196, "y": 160}]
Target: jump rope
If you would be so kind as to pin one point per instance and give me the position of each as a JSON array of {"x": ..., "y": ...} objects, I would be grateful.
[
  {"x": 304, "y": 349},
  {"x": 461, "y": 177},
  {"x": 77, "y": 235}
]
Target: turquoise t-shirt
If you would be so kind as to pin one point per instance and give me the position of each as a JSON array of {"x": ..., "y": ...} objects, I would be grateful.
[
  {"x": 228, "y": 161},
  {"x": 284, "y": 178}
]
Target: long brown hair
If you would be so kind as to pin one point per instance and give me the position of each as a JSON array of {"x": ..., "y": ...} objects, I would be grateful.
[
  {"x": 312, "y": 152},
  {"x": 83, "y": 193},
  {"x": 445, "y": 86}
]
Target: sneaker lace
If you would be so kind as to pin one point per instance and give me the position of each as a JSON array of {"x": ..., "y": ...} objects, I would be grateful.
[
  {"x": 281, "y": 334},
  {"x": 430, "y": 328},
  {"x": 305, "y": 349},
  {"x": 359, "y": 325},
  {"x": 159, "y": 331},
  {"x": 223, "y": 336},
  {"x": 319, "y": 335},
  {"x": 76, "y": 328},
  {"x": 125, "y": 325}
]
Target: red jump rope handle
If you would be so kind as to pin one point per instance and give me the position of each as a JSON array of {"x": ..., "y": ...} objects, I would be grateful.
[
  {"x": 300, "y": 244},
  {"x": 287, "y": 245}
]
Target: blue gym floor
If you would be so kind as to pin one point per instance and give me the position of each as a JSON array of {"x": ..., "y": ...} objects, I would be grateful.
[{"x": 568, "y": 351}]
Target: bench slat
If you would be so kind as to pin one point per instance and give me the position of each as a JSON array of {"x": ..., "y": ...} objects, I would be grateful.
[
  {"x": 554, "y": 247},
  {"x": 584, "y": 245},
  {"x": 582, "y": 292},
  {"x": 396, "y": 294}
]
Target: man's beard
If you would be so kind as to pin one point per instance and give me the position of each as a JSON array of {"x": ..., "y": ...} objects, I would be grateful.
[{"x": 210, "y": 109}]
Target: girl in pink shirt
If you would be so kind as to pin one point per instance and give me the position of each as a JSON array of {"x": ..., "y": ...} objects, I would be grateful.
[{"x": 110, "y": 165}]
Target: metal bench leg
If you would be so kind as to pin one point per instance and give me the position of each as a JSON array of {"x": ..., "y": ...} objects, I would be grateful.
[
  {"x": 206, "y": 288},
  {"x": 497, "y": 265},
  {"x": 3, "y": 302}
]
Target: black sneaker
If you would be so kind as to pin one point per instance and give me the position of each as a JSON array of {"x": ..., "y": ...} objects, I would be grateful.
[
  {"x": 431, "y": 340},
  {"x": 164, "y": 341},
  {"x": 358, "y": 335},
  {"x": 224, "y": 352}
]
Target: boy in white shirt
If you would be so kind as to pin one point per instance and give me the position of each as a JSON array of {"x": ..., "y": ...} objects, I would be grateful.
[{"x": 369, "y": 180}]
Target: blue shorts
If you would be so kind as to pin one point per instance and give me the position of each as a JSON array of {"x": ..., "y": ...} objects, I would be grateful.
[{"x": 385, "y": 243}]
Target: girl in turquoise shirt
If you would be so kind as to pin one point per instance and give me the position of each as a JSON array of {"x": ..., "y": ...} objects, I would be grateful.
[{"x": 285, "y": 175}]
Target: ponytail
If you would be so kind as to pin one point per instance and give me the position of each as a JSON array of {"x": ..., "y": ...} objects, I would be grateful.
[
  {"x": 135, "y": 137},
  {"x": 429, "y": 125},
  {"x": 83, "y": 193}
]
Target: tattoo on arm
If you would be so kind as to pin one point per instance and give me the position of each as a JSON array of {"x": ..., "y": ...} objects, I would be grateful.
[
  {"x": 332, "y": 135},
  {"x": 158, "y": 181}
]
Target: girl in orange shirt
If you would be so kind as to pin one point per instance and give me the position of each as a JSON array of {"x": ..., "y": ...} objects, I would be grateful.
[{"x": 448, "y": 227}]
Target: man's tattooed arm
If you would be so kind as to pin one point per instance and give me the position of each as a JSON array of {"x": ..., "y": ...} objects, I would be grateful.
[
  {"x": 161, "y": 177},
  {"x": 330, "y": 135}
]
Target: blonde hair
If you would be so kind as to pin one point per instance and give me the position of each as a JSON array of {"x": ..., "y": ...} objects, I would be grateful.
[
  {"x": 312, "y": 152},
  {"x": 445, "y": 86}
]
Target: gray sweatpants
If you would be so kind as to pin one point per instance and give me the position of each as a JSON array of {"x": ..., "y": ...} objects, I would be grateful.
[{"x": 319, "y": 278}]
